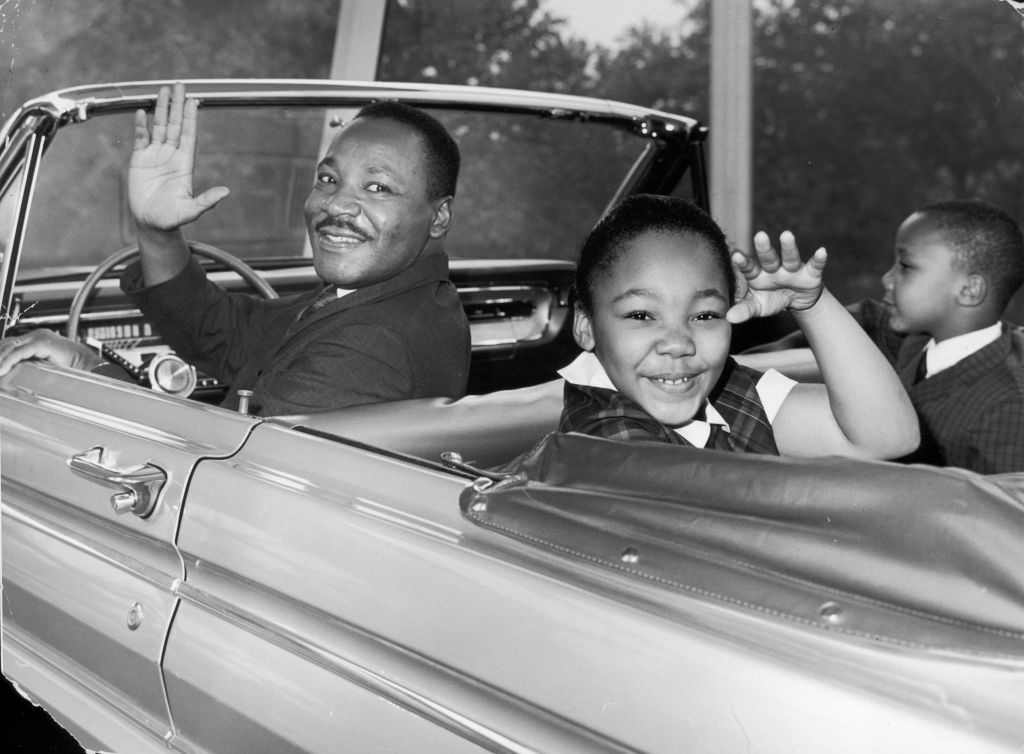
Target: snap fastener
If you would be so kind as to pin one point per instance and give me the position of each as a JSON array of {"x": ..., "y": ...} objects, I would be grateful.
[
  {"x": 630, "y": 555},
  {"x": 831, "y": 612}
]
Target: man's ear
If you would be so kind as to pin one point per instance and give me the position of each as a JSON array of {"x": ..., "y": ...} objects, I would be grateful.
[
  {"x": 442, "y": 221},
  {"x": 973, "y": 292},
  {"x": 583, "y": 329}
]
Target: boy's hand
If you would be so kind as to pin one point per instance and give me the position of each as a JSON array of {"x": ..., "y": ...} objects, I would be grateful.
[
  {"x": 161, "y": 169},
  {"x": 771, "y": 281}
]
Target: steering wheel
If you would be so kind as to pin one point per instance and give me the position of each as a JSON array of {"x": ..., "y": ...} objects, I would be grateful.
[
  {"x": 247, "y": 273},
  {"x": 168, "y": 372}
]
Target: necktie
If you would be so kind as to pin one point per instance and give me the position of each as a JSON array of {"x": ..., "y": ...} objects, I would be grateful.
[
  {"x": 719, "y": 438},
  {"x": 326, "y": 296}
]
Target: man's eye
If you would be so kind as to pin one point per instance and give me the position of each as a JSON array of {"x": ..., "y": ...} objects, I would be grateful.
[
  {"x": 325, "y": 178},
  {"x": 378, "y": 188}
]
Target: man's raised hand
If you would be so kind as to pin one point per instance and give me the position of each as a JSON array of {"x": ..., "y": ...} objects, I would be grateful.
[{"x": 160, "y": 175}]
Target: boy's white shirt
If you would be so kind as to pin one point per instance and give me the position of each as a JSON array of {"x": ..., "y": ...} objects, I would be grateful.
[
  {"x": 939, "y": 356},
  {"x": 772, "y": 389}
]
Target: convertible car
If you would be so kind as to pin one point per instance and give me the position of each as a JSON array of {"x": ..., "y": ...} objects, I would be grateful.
[{"x": 437, "y": 575}]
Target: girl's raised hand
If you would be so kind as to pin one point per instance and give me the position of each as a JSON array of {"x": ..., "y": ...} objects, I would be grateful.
[{"x": 772, "y": 281}]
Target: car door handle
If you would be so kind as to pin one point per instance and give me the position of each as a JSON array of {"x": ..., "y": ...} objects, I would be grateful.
[{"x": 138, "y": 487}]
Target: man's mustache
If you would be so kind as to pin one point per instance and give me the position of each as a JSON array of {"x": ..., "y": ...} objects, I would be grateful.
[{"x": 339, "y": 224}]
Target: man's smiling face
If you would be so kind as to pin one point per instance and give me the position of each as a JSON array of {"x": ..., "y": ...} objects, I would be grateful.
[
  {"x": 658, "y": 324},
  {"x": 369, "y": 215}
]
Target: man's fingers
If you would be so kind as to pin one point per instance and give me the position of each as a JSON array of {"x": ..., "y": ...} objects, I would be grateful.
[
  {"x": 188, "y": 126},
  {"x": 159, "y": 133},
  {"x": 175, "y": 116},
  {"x": 141, "y": 130},
  {"x": 15, "y": 350},
  {"x": 210, "y": 198}
]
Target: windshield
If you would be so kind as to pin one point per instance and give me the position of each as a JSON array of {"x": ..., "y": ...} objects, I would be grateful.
[{"x": 529, "y": 187}]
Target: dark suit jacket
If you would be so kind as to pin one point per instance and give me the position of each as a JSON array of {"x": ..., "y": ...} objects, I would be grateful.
[
  {"x": 406, "y": 337},
  {"x": 971, "y": 414}
]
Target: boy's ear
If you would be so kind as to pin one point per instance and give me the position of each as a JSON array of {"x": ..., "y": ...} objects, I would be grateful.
[
  {"x": 583, "y": 329},
  {"x": 973, "y": 292}
]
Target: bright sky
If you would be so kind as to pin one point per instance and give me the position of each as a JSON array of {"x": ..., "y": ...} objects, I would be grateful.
[{"x": 603, "y": 20}]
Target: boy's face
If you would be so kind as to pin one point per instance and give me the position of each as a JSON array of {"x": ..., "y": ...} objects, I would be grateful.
[
  {"x": 658, "y": 325},
  {"x": 922, "y": 285}
]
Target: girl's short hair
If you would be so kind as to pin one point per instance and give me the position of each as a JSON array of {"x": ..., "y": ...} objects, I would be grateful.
[{"x": 633, "y": 217}]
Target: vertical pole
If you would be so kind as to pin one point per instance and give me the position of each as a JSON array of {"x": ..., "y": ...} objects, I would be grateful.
[
  {"x": 357, "y": 39},
  {"x": 730, "y": 141}
]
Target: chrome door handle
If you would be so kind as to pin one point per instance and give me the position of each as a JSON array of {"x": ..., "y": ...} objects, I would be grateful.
[{"x": 139, "y": 486}]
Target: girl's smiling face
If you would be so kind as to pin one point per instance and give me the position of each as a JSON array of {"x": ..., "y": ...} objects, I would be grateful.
[{"x": 658, "y": 324}]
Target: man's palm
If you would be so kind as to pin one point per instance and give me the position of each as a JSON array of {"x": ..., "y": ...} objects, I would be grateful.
[{"x": 160, "y": 174}]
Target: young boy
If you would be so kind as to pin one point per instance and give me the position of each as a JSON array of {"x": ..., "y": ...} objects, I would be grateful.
[{"x": 957, "y": 265}]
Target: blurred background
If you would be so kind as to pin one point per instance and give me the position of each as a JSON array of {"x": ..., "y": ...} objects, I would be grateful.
[{"x": 862, "y": 110}]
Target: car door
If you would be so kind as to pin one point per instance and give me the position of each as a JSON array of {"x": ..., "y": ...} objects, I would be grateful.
[{"x": 94, "y": 474}]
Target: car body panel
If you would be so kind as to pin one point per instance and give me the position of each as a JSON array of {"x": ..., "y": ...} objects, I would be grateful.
[{"x": 76, "y": 574}]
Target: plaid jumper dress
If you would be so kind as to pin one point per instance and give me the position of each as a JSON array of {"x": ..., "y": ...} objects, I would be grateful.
[{"x": 609, "y": 414}]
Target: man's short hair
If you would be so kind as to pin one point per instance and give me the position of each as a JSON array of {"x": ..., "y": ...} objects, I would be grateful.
[
  {"x": 440, "y": 151},
  {"x": 985, "y": 241}
]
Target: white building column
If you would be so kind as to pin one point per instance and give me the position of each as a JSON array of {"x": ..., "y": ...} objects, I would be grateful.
[{"x": 730, "y": 141}]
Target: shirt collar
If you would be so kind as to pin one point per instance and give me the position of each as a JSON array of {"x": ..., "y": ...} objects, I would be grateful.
[
  {"x": 943, "y": 355},
  {"x": 588, "y": 371}
]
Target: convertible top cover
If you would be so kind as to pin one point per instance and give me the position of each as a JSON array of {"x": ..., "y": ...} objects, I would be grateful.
[{"x": 913, "y": 556}]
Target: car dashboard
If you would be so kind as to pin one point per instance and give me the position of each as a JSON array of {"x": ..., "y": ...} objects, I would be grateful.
[{"x": 518, "y": 311}]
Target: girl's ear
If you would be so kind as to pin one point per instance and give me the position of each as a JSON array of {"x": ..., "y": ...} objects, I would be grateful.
[{"x": 583, "y": 329}]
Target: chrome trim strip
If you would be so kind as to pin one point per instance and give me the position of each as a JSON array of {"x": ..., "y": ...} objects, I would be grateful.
[{"x": 403, "y": 696}]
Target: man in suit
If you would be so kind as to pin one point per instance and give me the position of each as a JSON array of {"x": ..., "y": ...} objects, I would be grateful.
[
  {"x": 957, "y": 265},
  {"x": 387, "y": 323}
]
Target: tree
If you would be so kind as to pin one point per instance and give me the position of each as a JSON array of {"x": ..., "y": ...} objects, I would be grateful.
[
  {"x": 865, "y": 111},
  {"x": 504, "y": 43},
  {"x": 58, "y": 45}
]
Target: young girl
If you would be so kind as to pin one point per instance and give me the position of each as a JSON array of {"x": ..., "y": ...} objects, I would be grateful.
[{"x": 657, "y": 298}]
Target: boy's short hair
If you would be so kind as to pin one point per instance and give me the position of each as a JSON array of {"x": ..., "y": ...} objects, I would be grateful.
[
  {"x": 440, "y": 151},
  {"x": 635, "y": 216},
  {"x": 985, "y": 241}
]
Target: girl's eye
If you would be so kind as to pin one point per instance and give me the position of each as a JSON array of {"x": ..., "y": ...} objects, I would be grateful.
[
  {"x": 378, "y": 188},
  {"x": 707, "y": 316},
  {"x": 639, "y": 316}
]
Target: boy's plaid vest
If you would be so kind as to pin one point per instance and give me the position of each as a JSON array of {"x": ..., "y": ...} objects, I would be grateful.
[{"x": 609, "y": 414}]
